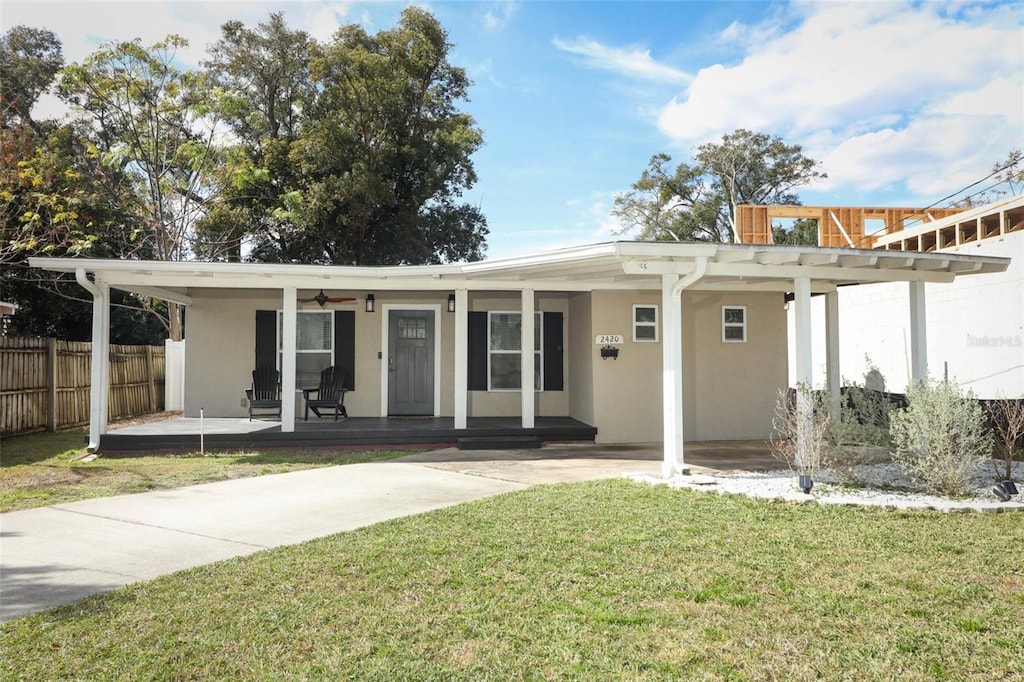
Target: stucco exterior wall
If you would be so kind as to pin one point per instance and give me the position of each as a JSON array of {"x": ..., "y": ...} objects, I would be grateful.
[
  {"x": 975, "y": 327},
  {"x": 579, "y": 349},
  {"x": 220, "y": 328},
  {"x": 221, "y": 352},
  {"x": 729, "y": 389},
  {"x": 627, "y": 390},
  {"x": 735, "y": 385}
]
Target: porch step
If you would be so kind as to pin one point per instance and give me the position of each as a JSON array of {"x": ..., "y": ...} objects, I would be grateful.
[{"x": 499, "y": 443}]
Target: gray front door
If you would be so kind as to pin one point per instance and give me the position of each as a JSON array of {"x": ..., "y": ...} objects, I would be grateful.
[{"x": 411, "y": 362}]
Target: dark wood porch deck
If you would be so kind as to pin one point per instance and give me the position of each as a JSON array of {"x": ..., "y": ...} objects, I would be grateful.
[{"x": 225, "y": 434}]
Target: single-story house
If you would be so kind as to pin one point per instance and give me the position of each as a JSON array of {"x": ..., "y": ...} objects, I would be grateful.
[{"x": 646, "y": 341}]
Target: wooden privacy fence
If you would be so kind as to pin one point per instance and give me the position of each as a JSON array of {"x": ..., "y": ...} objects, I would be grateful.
[{"x": 45, "y": 383}]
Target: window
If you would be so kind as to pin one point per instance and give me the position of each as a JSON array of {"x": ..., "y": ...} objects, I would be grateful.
[
  {"x": 504, "y": 361},
  {"x": 645, "y": 323},
  {"x": 314, "y": 345},
  {"x": 734, "y": 324}
]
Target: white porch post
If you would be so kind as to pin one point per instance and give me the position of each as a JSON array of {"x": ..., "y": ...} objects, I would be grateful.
[
  {"x": 832, "y": 350},
  {"x": 289, "y": 306},
  {"x": 526, "y": 350},
  {"x": 99, "y": 391},
  {"x": 918, "y": 334},
  {"x": 804, "y": 364},
  {"x": 461, "y": 357},
  {"x": 671, "y": 377}
]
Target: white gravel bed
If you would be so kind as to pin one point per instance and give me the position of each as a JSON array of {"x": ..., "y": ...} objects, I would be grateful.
[{"x": 827, "y": 489}]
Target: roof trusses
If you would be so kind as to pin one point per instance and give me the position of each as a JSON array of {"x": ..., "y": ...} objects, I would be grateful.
[
  {"x": 838, "y": 226},
  {"x": 974, "y": 225}
]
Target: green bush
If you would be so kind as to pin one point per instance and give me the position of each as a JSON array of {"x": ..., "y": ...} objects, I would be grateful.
[
  {"x": 859, "y": 434},
  {"x": 940, "y": 439}
]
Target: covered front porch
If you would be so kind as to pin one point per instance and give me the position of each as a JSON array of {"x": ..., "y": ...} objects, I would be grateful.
[{"x": 195, "y": 434}]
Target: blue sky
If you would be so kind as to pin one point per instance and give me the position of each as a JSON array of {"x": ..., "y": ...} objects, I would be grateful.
[{"x": 903, "y": 103}]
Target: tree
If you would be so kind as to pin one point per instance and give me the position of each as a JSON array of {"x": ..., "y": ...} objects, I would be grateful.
[
  {"x": 29, "y": 60},
  {"x": 1007, "y": 178},
  {"x": 697, "y": 202},
  {"x": 263, "y": 77},
  {"x": 372, "y": 169},
  {"x": 803, "y": 232},
  {"x": 155, "y": 132}
]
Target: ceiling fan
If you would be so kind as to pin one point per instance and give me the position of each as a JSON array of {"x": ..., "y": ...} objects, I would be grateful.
[{"x": 322, "y": 299}]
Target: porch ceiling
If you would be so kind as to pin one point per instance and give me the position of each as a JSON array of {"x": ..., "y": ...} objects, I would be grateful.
[{"x": 612, "y": 265}]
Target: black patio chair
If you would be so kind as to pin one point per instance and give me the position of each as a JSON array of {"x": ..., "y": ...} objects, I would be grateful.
[
  {"x": 330, "y": 395},
  {"x": 265, "y": 393}
]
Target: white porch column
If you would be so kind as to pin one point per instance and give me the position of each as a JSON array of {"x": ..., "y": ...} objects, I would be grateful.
[
  {"x": 99, "y": 391},
  {"x": 289, "y": 306},
  {"x": 918, "y": 334},
  {"x": 526, "y": 350},
  {"x": 461, "y": 357},
  {"x": 804, "y": 364},
  {"x": 671, "y": 377},
  {"x": 832, "y": 350}
]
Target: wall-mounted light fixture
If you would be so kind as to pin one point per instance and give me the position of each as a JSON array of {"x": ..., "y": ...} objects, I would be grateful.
[
  {"x": 610, "y": 352},
  {"x": 451, "y": 303},
  {"x": 369, "y": 303}
]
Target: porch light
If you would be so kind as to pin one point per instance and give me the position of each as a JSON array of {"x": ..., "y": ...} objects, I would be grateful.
[
  {"x": 369, "y": 303},
  {"x": 451, "y": 303}
]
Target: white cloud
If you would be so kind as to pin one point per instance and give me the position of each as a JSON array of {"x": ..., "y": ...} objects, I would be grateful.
[
  {"x": 495, "y": 17},
  {"x": 634, "y": 62},
  {"x": 883, "y": 93}
]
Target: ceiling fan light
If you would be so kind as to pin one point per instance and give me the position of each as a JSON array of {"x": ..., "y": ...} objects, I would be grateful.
[{"x": 321, "y": 298}]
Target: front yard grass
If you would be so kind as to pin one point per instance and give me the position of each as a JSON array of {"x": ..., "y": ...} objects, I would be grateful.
[
  {"x": 606, "y": 580},
  {"x": 47, "y": 468}
]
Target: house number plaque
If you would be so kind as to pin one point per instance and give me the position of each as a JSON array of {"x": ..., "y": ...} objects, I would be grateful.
[{"x": 606, "y": 339}]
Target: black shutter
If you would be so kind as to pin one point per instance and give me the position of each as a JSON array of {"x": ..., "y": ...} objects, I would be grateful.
[
  {"x": 552, "y": 348},
  {"x": 345, "y": 345},
  {"x": 266, "y": 338},
  {"x": 477, "y": 356}
]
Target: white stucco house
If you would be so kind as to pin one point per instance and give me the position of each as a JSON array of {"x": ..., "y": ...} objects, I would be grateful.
[{"x": 645, "y": 341}]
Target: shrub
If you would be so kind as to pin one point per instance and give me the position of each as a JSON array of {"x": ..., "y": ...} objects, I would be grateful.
[
  {"x": 800, "y": 443},
  {"x": 859, "y": 434},
  {"x": 940, "y": 438},
  {"x": 1006, "y": 417}
]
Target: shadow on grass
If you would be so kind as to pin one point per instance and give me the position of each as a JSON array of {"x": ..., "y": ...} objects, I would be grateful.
[{"x": 39, "y": 447}]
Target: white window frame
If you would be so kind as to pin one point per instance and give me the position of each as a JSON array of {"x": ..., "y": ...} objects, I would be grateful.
[
  {"x": 300, "y": 351},
  {"x": 537, "y": 352},
  {"x": 655, "y": 324},
  {"x": 734, "y": 325}
]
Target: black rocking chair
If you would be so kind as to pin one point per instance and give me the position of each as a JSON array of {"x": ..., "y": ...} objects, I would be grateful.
[
  {"x": 330, "y": 395},
  {"x": 265, "y": 393}
]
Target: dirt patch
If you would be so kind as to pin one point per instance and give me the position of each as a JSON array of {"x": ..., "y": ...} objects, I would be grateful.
[
  {"x": 36, "y": 477},
  {"x": 144, "y": 419}
]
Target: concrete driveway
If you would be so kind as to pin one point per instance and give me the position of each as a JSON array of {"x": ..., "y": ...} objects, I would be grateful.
[{"x": 59, "y": 554}]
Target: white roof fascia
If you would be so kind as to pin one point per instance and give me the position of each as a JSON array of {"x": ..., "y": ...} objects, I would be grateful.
[{"x": 613, "y": 265}]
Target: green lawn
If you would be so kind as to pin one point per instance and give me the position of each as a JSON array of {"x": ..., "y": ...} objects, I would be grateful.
[
  {"x": 608, "y": 580},
  {"x": 47, "y": 468}
]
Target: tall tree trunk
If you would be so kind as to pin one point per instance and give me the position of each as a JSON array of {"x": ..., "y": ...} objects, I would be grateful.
[{"x": 174, "y": 321}]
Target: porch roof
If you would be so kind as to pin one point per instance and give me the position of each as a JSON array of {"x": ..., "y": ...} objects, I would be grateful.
[{"x": 610, "y": 265}]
